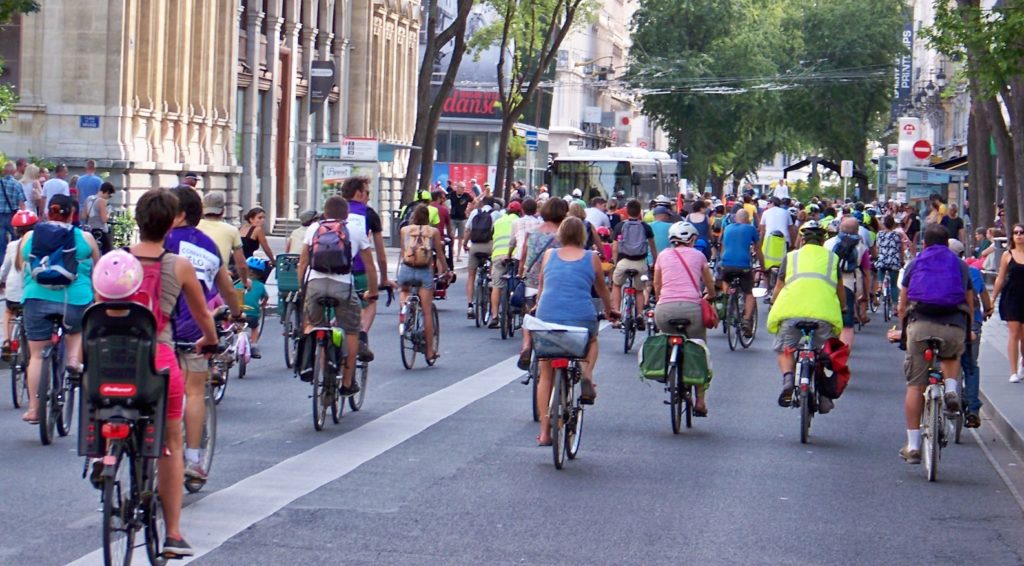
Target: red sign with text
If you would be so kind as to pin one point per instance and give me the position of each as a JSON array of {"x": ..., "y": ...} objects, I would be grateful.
[
  {"x": 464, "y": 172},
  {"x": 922, "y": 149}
]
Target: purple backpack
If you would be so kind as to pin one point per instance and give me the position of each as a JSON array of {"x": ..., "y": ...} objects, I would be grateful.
[{"x": 935, "y": 282}]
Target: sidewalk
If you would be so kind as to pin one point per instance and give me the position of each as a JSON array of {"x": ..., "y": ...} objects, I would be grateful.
[{"x": 1003, "y": 401}]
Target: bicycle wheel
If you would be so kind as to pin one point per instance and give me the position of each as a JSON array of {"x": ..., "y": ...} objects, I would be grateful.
[
  {"x": 118, "y": 510},
  {"x": 208, "y": 440},
  {"x": 220, "y": 387},
  {"x": 930, "y": 437},
  {"x": 155, "y": 526},
  {"x": 355, "y": 402},
  {"x": 805, "y": 397},
  {"x": 407, "y": 341},
  {"x": 437, "y": 335},
  {"x": 675, "y": 396},
  {"x": 871, "y": 303},
  {"x": 47, "y": 411},
  {"x": 535, "y": 377},
  {"x": 66, "y": 416},
  {"x": 958, "y": 424},
  {"x": 574, "y": 428},
  {"x": 556, "y": 415},
  {"x": 886, "y": 304},
  {"x": 733, "y": 321},
  {"x": 629, "y": 324},
  {"x": 690, "y": 399},
  {"x": 19, "y": 379},
  {"x": 333, "y": 382},
  {"x": 504, "y": 317},
  {"x": 320, "y": 399},
  {"x": 480, "y": 305},
  {"x": 241, "y": 367},
  {"x": 747, "y": 341}
]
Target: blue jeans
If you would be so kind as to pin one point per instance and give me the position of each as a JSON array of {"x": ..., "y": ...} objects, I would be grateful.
[
  {"x": 972, "y": 374},
  {"x": 6, "y": 229}
]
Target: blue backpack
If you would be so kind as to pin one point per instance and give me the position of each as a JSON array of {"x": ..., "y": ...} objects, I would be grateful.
[{"x": 51, "y": 258}]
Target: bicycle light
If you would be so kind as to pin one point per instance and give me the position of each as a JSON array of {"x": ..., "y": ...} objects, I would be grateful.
[
  {"x": 559, "y": 363},
  {"x": 115, "y": 431},
  {"x": 675, "y": 340},
  {"x": 630, "y": 291},
  {"x": 929, "y": 355}
]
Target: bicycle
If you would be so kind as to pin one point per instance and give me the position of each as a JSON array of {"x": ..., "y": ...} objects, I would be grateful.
[
  {"x": 734, "y": 323},
  {"x": 56, "y": 392},
  {"x": 887, "y": 299},
  {"x": 19, "y": 362},
  {"x": 123, "y": 419},
  {"x": 289, "y": 304},
  {"x": 411, "y": 330},
  {"x": 565, "y": 349},
  {"x": 773, "y": 279},
  {"x": 630, "y": 314},
  {"x": 935, "y": 418},
  {"x": 329, "y": 356},
  {"x": 221, "y": 364},
  {"x": 208, "y": 438},
  {"x": 482, "y": 291},
  {"x": 533, "y": 375},
  {"x": 510, "y": 316},
  {"x": 807, "y": 391},
  {"x": 681, "y": 396},
  {"x": 652, "y": 302}
]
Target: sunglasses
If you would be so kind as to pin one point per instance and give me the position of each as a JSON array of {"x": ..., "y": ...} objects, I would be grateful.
[{"x": 1018, "y": 232}]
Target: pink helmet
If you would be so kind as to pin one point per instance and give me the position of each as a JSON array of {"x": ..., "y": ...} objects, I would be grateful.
[{"x": 117, "y": 275}]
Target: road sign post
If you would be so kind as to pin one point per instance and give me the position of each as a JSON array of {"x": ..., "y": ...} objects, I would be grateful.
[{"x": 845, "y": 171}]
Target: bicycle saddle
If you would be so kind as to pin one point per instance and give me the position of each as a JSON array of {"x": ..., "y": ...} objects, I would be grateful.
[
  {"x": 327, "y": 302},
  {"x": 482, "y": 256},
  {"x": 934, "y": 342},
  {"x": 632, "y": 273},
  {"x": 55, "y": 318},
  {"x": 679, "y": 324},
  {"x": 807, "y": 326}
]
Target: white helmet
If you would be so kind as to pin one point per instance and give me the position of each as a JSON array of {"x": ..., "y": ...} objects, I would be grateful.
[
  {"x": 683, "y": 233},
  {"x": 662, "y": 199}
]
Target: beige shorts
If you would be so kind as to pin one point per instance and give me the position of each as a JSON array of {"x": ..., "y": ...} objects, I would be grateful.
[
  {"x": 193, "y": 363},
  {"x": 918, "y": 331},
  {"x": 473, "y": 262},
  {"x": 619, "y": 275},
  {"x": 347, "y": 314}
]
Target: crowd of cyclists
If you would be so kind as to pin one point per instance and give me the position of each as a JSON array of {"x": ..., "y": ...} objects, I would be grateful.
[{"x": 822, "y": 263}]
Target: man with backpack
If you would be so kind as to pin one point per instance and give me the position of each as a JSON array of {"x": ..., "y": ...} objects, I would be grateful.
[
  {"x": 936, "y": 301},
  {"x": 325, "y": 268},
  {"x": 357, "y": 191},
  {"x": 855, "y": 268},
  {"x": 501, "y": 251},
  {"x": 632, "y": 240},
  {"x": 478, "y": 243}
]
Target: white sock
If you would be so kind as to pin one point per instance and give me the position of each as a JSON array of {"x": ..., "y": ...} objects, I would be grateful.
[
  {"x": 951, "y": 385},
  {"x": 914, "y": 439},
  {"x": 192, "y": 454}
]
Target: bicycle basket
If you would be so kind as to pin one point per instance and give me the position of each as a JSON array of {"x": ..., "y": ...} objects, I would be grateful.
[
  {"x": 120, "y": 355},
  {"x": 555, "y": 340},
  {"x": 287, "y": 272}
]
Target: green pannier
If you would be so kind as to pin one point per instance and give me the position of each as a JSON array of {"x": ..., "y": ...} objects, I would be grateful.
[
  {"x": 696, "y": 363},
  {"x": 653, "y": 358}
]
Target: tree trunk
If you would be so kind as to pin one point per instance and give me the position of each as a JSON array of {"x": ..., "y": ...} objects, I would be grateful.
[
  {"x": 1004, "y": 146},
  {"x": 499, "y": 173},
  {"x": 981, "y": 190}
]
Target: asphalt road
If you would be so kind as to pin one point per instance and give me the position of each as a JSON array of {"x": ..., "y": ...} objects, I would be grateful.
[{"x": 441, "y": 467}]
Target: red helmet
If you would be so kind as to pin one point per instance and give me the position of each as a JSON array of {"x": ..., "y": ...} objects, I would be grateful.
[{"x": 24, "y": 218}]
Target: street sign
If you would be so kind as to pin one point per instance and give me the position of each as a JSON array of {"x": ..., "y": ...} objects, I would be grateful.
[
  {"x": 922, "y": 149},
  {"x": 532, "y": 142},
  {"x": 908, "y": 130},
  {"x": 575, "y": 143},
  {"x": 88, "y": 121},
  {"x": 642, "y": 143},
  {"x": 322, "y": 73},
  {"x": 846, "y": 169},
  {"x": 359, "y": 149}
]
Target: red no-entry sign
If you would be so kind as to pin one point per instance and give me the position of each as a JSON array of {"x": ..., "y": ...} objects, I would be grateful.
[{"x": 922, "y": 149}]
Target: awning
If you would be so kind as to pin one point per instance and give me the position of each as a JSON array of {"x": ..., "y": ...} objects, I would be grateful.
[
  {"x": 386, "y": 151},
  {"x": 952, "y": 164}
]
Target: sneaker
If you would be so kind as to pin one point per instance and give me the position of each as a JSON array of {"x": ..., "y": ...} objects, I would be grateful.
[
  {"x": 350, "y": 390},
  {"x": 195, "y": 471},
  {"x": 365, "y": 353},
  {"x": 306, "y": 375},
  {"x": 524, "y": 360},
  {"x": 96, "y": 472},
  {"x": 640, "y": 324},
  {"x": 952, "y": 399},
  {"x": 177, "y": 548},
  {"x": 825, "y": 405},
  {"x": 748, "y": 328},
  {"x": 786, "y": 397},
  {"x": 911, "y": 456},
  {"x": 254, "y": 352},
  {"x": 588, "y": 394},
  {"x": 972, "y": 420},
  {"x": 494, "y": 323},
  {"x": 470, "y": 313},
  {"x": 5, "y": 351},
  {"x": 1014, "y": 378}
]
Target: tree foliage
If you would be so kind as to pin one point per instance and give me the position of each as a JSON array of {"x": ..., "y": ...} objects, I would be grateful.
[{"x": 8, "y": 8}]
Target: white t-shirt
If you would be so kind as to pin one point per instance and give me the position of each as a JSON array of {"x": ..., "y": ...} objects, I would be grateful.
[
  {"x": 11, "y": 275},
  {"x": 53, "y": 187},
  {"x": 781, "y": 191},
  {"x": 356, "y": 234},
  {"x": 776, "y": 218},
  {"x": 598, "y": 218}
]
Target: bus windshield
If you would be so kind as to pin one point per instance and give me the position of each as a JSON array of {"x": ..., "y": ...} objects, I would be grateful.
[{"x": 595, "y": 178}]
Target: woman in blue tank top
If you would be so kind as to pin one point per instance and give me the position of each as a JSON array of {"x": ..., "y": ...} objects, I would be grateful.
[{"x": 567, "y": 276}]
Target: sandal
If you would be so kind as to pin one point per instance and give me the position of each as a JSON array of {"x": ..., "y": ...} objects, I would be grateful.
[
  {"x": 587, "y": 392},
  {"x": 700, "y": 412},
  {"x": 433, "y": 358},
  {"x": 34, "y": 420},
  {"x": 539, "y": 443}
]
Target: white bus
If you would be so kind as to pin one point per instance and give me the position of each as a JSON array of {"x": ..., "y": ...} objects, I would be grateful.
[{"x": 635, "y": 172}]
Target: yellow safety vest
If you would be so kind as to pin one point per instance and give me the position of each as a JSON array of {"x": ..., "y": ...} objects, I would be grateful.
[
  {"x": 774, "y": 249},
  {"x": 502, "y": 236},
  {"x": 810, "y": 289}
]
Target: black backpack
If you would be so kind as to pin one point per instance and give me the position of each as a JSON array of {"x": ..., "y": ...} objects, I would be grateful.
[
  {"x": 846, "y": 249},
  {"x": 481, "y": 229}
]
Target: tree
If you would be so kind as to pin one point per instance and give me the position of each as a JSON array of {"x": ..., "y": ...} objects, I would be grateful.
[
  {"x": 528, "y": 35},
  {"x": 8, "y": 8},
  {"x": 990, "y": 42},
  {"x": 430, "y": 102}
]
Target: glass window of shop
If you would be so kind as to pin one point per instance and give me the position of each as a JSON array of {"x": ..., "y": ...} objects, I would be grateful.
[
  {"x": 441, "y": 146},
  {"x": 469, "y": 147}
]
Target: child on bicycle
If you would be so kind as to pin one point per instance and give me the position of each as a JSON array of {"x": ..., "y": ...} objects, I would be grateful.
[
  {"x": 255, "y": 300},
  {"x": 11, "y": 278}
]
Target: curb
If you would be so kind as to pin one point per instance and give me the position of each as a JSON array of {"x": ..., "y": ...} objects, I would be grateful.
[{"x": 1011, "y": 436}]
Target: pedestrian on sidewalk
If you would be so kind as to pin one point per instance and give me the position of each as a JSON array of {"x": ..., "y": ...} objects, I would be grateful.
[{"x": 1009, "y": 288}]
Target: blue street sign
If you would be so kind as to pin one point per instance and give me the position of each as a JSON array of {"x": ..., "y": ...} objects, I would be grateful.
[
  {"x": 532, "y": 142},
  {"x": 88, "y": 121}
]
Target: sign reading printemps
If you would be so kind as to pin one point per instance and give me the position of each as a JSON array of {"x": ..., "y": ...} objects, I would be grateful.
[
  {"x": 483, "y": 104},
  {"x": 905, "y": 65}
]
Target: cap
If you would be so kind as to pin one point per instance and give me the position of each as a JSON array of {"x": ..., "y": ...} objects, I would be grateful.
[
  {"x": 957, "y": 247},
  {"x": 213, "y": 202},
  {"x": 514, "y": 207},
  {"x": 577, "y": 193},
  {"x": 661, "y": 210},
  {"x": 192, "y": 175},
  {"x": 64, "y": 204},
  {"x": 307, "y": 217}
]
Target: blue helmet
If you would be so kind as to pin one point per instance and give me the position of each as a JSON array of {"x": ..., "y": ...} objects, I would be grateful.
[{"x": 257, "y": 264}]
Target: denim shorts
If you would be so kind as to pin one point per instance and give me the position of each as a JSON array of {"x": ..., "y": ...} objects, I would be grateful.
[
  {"x": 38, "y": 328},
  {"x": 422, "y": 276}
]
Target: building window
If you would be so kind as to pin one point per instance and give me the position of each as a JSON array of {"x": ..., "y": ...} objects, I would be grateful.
[
  {"x": 441, "y": 147},
  {"x": 10, "y": 52}
]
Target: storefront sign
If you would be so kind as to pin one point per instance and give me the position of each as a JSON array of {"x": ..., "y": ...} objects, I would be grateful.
[
  {"x": 472, "y": 104},
  {"x": 322, "y": 74}
]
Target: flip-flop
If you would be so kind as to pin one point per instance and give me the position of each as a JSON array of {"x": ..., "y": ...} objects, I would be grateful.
[
  {"x": 539, "y": 443},
  {"x": 700, "y": 412},
  {"x": 32, "y": 421}
]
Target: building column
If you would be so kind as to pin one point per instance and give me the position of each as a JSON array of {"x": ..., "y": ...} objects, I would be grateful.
[
  {"x": 250, "y": 185},
  {"x": 268, "y": 135},
  {"x": 286, "y": 208},
  {"x": 304, "y": 174}
]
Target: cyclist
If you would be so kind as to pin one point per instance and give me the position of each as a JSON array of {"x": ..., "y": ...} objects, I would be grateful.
[
  {"x": 969, "y": 361},
  {"x": 678, "y": 272},
  {"x": 631, "y": 241},
  {"x": 501, "y": 251},
  {"x": 567, "y": 275},
  {"x": 226, "y": 236},
  {"x": 68, "y": 294},
  {"x": 419, "y": 242},
  {"x": 255, "y": 299},
  {"x": 544, "y": 237},
  {"x": 523, "y": 227},
  {"x": 188, "y": 242},
  {"x": 739, "y": 244},
  {"x": 702, "y": 222},
  {"x": 325, "y": 268},
  {"x": 293, "y": 244},
  {"x": 357, "y": 191},
  {"x": 12, "y": 279},
  {"x": 936, "y": 301},
  {"x": 461, "y": 202},
  {"x": 891, "y": 246},
  {"x": 480, "y": 238},
  {"x": 809, "y": 289},
  {"x": 855, "y": 266}
]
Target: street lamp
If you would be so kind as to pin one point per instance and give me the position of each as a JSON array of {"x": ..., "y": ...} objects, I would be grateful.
[
  {"x": 940, "y": 79},
  {"x": 930, "y": 87}
]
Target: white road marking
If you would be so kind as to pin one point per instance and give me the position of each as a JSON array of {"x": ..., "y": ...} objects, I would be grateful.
[{"x": 211, "y": 521}]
